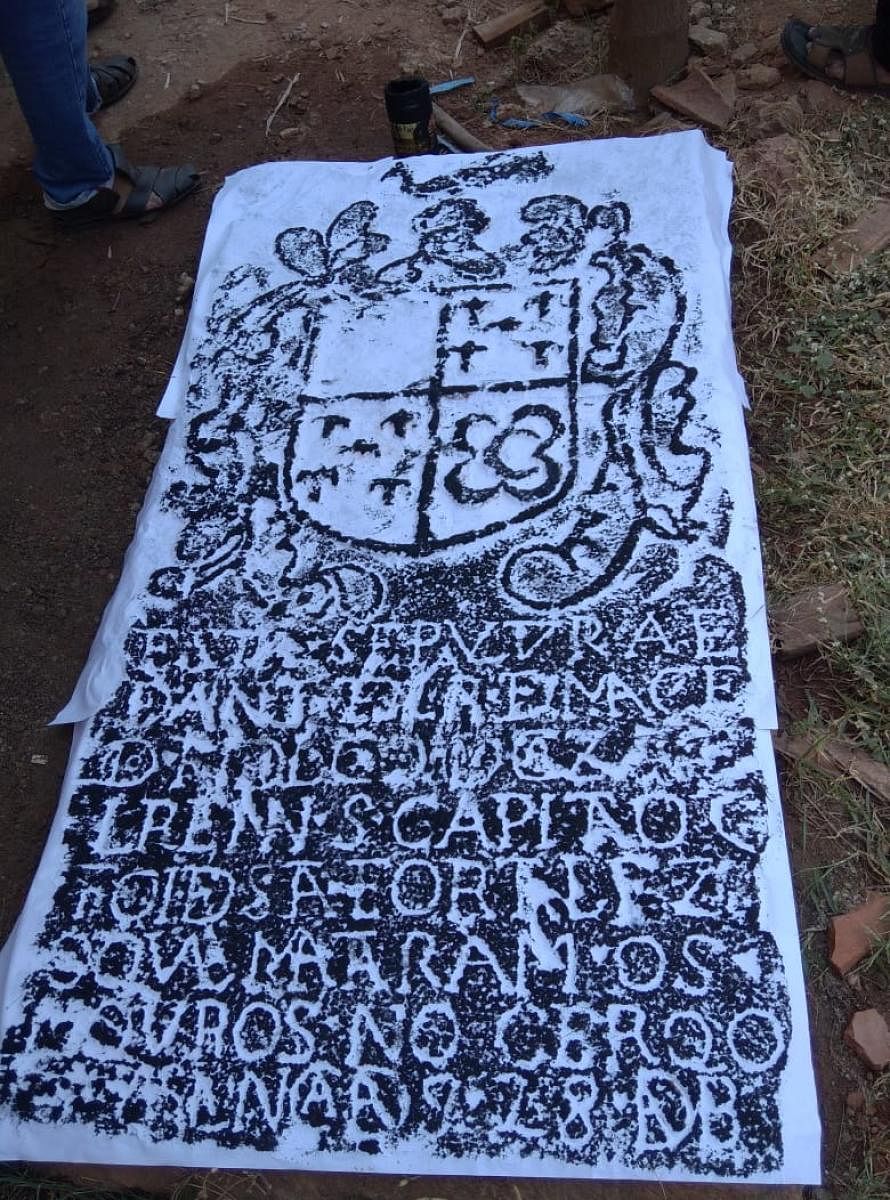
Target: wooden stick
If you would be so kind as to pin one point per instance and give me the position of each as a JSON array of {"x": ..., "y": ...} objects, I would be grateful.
[
  {"x": 282, "y": 100},
  {"x": 454, "y": 130},
  {"x": 531, "y": 16},
  {"x": 836, "y": 757}
]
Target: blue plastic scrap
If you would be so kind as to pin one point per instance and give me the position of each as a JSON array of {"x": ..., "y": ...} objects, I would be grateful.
[
  {"x": 519, "y": 123},
  {"x": 569, "y": 118},
  {"x": 450, "y": 84}
]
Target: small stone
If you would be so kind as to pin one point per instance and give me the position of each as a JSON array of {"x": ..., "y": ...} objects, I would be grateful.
[
  {"x": 869, "y": 235},
  {"x": 758, "y": 78},
  {"x": 707, "y": 40},
  {"x": 333, "y": 53},
  {"x": 185, "y": 286},
  {"x": 452, "y": 15},
  {"x": 216, "y": 136},
  {"x": 852, "y": 935},
  {"x": 819, "y": 97},
  {"x": 744, "y": 53},
  {"x": 697, "y": 97},
  {"x": 664, "y": 122},
  {"x": 291, "y": 131},
  {"x": 700, "y": 11},
  {"x": 776, "y": 161},
  {"x": 315, "y": 45},
  {"x": 855, "y": 1101},
  {"x": 869, "y": 1036},
  {"x": 814, "y": 617},
  {"x": 769, "y": 119},
  {"x": 769, "y": 44},
  {"x": 195, "y": 92}
]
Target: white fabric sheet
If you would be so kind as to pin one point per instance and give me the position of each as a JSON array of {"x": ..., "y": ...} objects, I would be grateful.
[{"x": 421, "y": 813}]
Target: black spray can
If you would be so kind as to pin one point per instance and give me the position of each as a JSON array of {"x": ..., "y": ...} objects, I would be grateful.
[{"x": 409, "y": 107}]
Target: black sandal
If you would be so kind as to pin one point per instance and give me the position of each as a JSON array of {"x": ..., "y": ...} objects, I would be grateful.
[
  {"x": 114, "y": 77},
  {"x": 169, "y": 184},
  {"x": 98, "y": 11}
]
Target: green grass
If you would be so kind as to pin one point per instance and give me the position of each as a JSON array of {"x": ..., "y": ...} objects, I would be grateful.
[{"x": 815, "y": 352}]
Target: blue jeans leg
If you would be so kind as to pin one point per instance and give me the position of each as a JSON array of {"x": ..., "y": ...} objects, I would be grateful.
[{"x": 43, "y": 44}]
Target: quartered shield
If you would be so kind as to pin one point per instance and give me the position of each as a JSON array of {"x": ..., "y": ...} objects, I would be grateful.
[{"x": 480, "y": 434}]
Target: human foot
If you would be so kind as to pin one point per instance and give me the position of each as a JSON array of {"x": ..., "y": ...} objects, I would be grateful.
[
  {"x": 134, "y": 192},
  {"x": 114, "y": 77},
  {"x": 837, "y": 54}
]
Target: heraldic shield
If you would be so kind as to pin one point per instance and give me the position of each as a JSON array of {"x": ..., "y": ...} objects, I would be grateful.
[{"x": 485, "y": 440}]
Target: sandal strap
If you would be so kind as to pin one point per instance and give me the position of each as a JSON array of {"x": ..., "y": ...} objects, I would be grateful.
[
  {"x": 848, "y": 39},
  {"x": 853, "y": 43},
  {"x": 114, "y": 77},
  {"x": 143, "y": 180},
  {"x": 169, "y": 184}
]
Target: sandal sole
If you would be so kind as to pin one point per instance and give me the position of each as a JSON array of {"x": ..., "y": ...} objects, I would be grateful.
[{"x": 72, "y": 224}]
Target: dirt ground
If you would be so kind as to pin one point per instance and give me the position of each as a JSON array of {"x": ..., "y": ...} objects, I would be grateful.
[{"x": 90, "y": 327}]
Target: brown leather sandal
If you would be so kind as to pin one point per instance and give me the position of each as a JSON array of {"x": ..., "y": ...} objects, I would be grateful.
[{"x": 813, "y": 49}]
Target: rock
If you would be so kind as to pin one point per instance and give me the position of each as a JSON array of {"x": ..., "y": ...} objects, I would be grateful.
[
  {"x": 776, "y": 161},
  {"x": 291, "y": 131},
  {"x": 869, "y": 1036},
  {"x": 814, "y": 616},
  {"x": 664, "y": 122},
  {"x": 850, "y": 249},
  {"x": 707, "y": 40},
  {"x": 853, "y": 935},
  {"x": 697, "y": 97},
  {"x": 855, "y": 1101},
  {"x": 593, "y": 94},
  {"x": 195, "y": 92},
  {"x": 185, "y": 286},
  {"x": 744, "y": 53},
  {"x": 758, "y": 78},
  {"x": 700, "y": 11},
  {"x": 770, "y": 44},
  {"x": 769, "y": 118},
  {"x": 819, "y": 97},
  {"x": 727, "y": 87},
  {"x": 453, "y": 14}
]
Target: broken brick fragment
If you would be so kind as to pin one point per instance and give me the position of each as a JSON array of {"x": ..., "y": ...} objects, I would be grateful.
[
  {"x": 852, "y": 935},
  {"x": 869, "y": 1036}
]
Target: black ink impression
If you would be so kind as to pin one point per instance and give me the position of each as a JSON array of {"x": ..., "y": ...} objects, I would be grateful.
[{"x": 428, "y": 812}]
